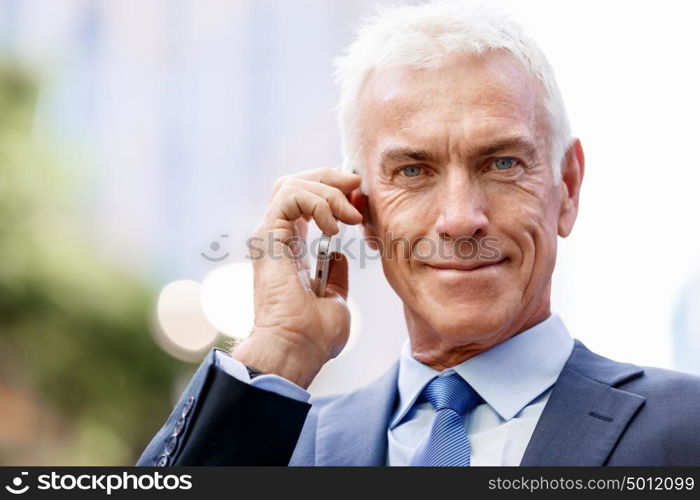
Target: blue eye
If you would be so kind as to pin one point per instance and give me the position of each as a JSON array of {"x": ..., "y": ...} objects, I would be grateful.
[
  {"x": 411, "y": 170},
  {"x": 504, "y": 163}
]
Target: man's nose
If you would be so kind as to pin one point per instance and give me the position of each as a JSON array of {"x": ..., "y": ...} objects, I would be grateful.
[{"x": 462, "y": 211}]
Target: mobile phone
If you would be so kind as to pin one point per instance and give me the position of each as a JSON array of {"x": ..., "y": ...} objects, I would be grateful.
[{"x": 323, "y": 261}]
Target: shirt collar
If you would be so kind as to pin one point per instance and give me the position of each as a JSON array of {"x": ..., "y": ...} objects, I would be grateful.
[{"x": 507, "y": 376}]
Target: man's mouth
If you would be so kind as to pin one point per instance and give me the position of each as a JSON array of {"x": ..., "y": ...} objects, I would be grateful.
[{"x": 456, "y": 265}]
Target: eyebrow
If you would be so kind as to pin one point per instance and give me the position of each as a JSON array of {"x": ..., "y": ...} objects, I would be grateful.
[
  {"x": 406, "y": 154},
  {"x": 514, "y": 142}
]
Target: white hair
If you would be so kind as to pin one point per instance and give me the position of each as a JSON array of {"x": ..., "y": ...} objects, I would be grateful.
[{"x": 421, "y": 36}]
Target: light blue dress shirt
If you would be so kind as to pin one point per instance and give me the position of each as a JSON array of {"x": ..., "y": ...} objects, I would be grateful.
[
  {"x": 268, "y": 382},
  {"x": 514, "y": 378}
]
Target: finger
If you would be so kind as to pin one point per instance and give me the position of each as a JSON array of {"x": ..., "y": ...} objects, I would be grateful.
[
  {"x": 340, "y": 206},
  {"x": 338, "y": 281},
  {"x": 301, "y": 226},
  {"x": 301, "y": 245},
  {"x": 291, "y": 203},
  {"x": 335, "y": 177}
]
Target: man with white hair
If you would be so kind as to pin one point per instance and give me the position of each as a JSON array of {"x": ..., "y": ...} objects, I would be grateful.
[{"x": 454, "y": 126}]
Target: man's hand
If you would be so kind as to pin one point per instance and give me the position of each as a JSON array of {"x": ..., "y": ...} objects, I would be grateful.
[{"x": 295, "y": 331}]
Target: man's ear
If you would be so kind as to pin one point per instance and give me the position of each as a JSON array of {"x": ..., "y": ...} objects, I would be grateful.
[
  {"x": 572, "y": 177},
  {"x": 360, "y": 201}
]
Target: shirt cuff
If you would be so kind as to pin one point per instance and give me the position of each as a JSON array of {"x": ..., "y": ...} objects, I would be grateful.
[{"x": 268, "y": 382}]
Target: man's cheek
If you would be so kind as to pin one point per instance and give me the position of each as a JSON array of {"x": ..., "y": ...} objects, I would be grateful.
[
  {"x": 522, "y": 221},
  {"x": 408, "y": 216},
  {"x": 401, "y": 237},
  {"x": 534, "y": 248}
]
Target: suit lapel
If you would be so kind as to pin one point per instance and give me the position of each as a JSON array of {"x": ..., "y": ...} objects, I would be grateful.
[
  {"x": 352, "y": 429},
  {"x": 585, "y": 414}
]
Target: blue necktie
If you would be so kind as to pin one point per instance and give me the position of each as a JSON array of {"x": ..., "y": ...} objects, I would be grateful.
[{"x": 448, "y": 444}]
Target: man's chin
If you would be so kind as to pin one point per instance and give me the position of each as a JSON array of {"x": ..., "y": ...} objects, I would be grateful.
[{"x": 466, "y": 321}]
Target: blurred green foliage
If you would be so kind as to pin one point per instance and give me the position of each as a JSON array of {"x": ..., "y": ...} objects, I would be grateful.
[{"x": 74, "y": 328}]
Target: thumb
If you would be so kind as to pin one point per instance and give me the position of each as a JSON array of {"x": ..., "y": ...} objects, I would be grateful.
[{"x": 338, "y": 274}]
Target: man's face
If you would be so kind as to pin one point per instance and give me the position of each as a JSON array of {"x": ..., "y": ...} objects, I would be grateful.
[{"x": 457, "y": 164}]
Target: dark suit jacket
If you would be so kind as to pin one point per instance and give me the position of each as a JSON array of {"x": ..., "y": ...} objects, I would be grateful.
[{"x": 600, "y": 412}]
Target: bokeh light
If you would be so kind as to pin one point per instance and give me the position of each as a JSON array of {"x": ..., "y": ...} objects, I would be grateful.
[
  {"x": 227, "y": 299},
  {"x": 183, "y": 330}
]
